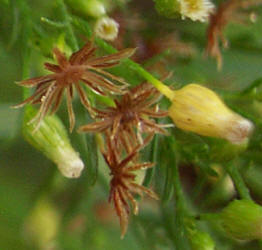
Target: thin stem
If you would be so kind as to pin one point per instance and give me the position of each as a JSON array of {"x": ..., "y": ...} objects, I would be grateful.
[
  {"x": 53, "y": 23},
  {"x": 238, "y": 181},
  {"x": 177, "y": 183},
  {"x": 165, "y": 90},
  {"x": 181, "y": 212},
  {"x": 67, "y": 21}
]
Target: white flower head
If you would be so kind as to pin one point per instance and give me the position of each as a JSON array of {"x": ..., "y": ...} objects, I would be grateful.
[
  {"x": 196, "y": 10},
  {"x": 106, "y": 28},
  {"x": 69, "y": 163}
]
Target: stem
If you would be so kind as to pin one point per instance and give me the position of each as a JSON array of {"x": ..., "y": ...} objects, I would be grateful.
[
  {"x": 67, "y": 21},
  {"x": 165, "y": 90},
  {"x": 26, "y": 34},
  {"x": 181, "y": 212},
  {"x": 52, "y": 23},
  {"x": 238, "y": 181}
]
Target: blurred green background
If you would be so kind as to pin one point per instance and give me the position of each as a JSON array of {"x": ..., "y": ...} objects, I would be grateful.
[{"x": 40, "y": 209}]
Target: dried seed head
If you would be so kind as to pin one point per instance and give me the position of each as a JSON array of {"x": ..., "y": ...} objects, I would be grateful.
[
  {"x": 130, "y": 119},
  {"x": 200, "y": 110},
  {"x": 123, "y": 185},
  {"x": 82, "y": 68}
]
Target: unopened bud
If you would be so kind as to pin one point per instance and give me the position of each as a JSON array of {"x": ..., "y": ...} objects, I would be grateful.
[
  {"x": 42, "y": 224},
  {"x": 93, "y": 8},
  {"x": 106, "y": 28},
  {"x": 201, "y": 241},
  {"x": 242, "y": 219},
  {"x": 198, "y": 109},
  {"x": 52, "y": 140}
]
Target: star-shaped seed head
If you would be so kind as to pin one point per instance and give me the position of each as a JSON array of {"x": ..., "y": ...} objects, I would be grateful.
[
  {"x": 81, "y": 67},
  {"x": 130, "y": 118},
  {"x": 123, "y": 186}
]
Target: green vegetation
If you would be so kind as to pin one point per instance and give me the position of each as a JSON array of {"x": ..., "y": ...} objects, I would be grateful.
[{"x": 204, "y": 184}]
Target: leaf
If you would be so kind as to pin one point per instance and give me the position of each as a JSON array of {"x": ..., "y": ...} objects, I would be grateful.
[{"x": 154, "y": 158}]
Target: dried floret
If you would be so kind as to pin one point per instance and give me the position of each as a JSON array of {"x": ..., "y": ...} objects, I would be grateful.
[
  {"x": 83, "y": 67},
  {"x": 129, "y": 119},
  {"x": 226, "y": 12},
  {"x": 123, "y": 185}
]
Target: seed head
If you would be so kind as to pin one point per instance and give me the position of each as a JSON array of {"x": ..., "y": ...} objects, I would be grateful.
[{"x": 82, "y": 66}]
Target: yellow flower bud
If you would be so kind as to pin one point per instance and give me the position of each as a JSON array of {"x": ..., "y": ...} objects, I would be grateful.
[{"x": 200, "y": 110}]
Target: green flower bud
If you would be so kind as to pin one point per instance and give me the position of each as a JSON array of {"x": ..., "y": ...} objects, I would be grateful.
[
  {"x": 93, "y": 8},
  {"x": 42, "y": 224},
  {"x": 201, "y": 241},
  {"x": 167, "y": 8},
  {"x": 52, "y": 140},
  {"x": 242, "y": 219}
]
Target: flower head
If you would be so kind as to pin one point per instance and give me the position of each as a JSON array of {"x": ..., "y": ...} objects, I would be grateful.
[
  {"x": 83, "y": 67},
  {"x": 197, "y": 10},
  {"x": 130, "y": 117},
  {"x": 106, "y": 28},
  {"x": 123, "y": 184},
  {"x": 52, "y": 140},
  {"x": 200, "y": 110}
]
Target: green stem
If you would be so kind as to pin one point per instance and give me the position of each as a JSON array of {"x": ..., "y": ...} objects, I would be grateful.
[
  {"x": 52, "y": 23},
  {"x": 238, "y": 181},
  {"x": 165, "y": 90},
  {"x": 25, "y": 36},
  {"x": 181, "y": 212},
  {"x": 67, "y": 20},
  {"x": 177, "y": 184}
]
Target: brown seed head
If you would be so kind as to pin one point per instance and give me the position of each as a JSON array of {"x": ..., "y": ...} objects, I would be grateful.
[
  {"x": 129, "y": 119},
  {"x": 82, "y": 66},
  {"x": 122, "y": 185}
]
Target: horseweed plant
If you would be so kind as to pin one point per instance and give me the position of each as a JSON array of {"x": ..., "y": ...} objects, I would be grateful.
[
  {"x": 193, "y": 108},
  {"x": 128, "y": 124}
]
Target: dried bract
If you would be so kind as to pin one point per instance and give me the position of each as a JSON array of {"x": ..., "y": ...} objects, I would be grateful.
[
  {"x": 130, "y": 118},
  {"x": 123, "y": 185},
  {"x": 227, "y": 11},
  {"x": 81, "y": 66}
]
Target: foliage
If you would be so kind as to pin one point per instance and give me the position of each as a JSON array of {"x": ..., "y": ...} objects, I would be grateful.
[{"x": 195, "y": 177}]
